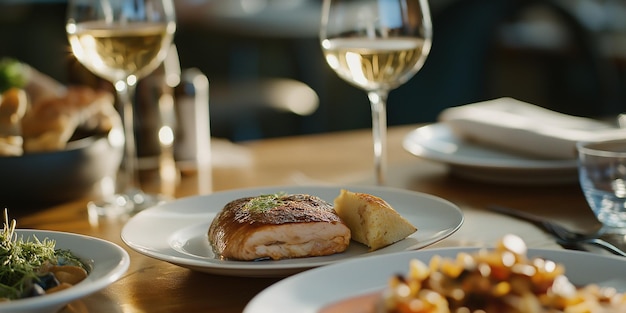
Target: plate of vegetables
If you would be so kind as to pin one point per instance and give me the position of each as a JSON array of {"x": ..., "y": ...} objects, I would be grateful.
[{"x": 42, "y": 271}]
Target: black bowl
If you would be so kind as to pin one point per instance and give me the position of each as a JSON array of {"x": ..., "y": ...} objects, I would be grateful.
[{"x": 47, "y": 178}]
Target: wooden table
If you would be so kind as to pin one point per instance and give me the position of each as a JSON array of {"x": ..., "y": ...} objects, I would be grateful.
[{"x": 151, "y": 285}]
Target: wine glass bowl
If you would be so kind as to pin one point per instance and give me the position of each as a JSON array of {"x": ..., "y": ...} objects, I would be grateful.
[
  {"x": 98, "y": 46},
  {"x": 122, "y": 41},
  {"x": 376, "y": 45},
  {"x": 374, "y": 64}
]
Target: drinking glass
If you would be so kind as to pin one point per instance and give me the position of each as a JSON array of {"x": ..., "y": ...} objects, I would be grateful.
[
  {"x": 602, "y": 173},
  {"x": 376, "y": 45},
  {"x": 122, "y": 41}
]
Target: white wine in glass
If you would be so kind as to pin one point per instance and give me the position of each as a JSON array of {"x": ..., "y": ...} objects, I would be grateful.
[
  {"x": 376, "y": 45},
  {"x": 122, "y": 41}
]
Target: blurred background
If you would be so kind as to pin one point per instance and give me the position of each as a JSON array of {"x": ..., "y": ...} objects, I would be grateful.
[{"x": 565, "y": 55}]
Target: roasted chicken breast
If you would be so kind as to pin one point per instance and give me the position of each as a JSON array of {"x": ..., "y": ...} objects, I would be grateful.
[{"x": 278, "y": 227}]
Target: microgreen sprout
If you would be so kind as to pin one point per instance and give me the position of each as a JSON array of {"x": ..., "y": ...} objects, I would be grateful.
[
  {"x": 20, "y": 260},
  {"x": 265, "y": 203}
]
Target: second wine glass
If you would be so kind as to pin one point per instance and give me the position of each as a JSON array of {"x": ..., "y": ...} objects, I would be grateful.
[
  {"x": 122, "y": 41},
  {"x": 376, "y": 45}
]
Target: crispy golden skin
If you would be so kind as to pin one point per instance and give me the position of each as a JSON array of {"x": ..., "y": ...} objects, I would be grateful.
[{"x": 297, "y": 226}]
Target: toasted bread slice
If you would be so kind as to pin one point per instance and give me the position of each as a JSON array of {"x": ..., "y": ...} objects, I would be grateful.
[{"x": 372, "y": 221}]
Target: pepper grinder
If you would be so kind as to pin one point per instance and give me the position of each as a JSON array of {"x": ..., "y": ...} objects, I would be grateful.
[{"x": 192, "y": 146}]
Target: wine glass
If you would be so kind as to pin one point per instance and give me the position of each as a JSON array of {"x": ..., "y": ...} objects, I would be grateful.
[
  {"x": 376, "y": 45},
  {"x": 122, "y": 41}
]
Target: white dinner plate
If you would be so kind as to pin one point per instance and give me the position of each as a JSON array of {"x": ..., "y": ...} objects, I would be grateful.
[
  {"x": 176, "y": 232},
  {"x": 315, "y": 289},
  {"x": 437, "y": 142},
  {"x": 108, "y": 260}
]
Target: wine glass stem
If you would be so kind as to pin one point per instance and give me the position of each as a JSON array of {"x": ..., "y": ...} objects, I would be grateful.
[
  {"x": 126, "y": 93},
  {"x": 378, "y": 101}
]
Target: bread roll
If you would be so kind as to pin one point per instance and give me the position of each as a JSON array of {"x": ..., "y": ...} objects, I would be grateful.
[
  {"x": 50, "y": 123},
  {"x": 13, "y": 104}
]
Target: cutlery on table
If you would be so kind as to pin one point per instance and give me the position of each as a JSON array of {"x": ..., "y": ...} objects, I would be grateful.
[{"x": 565, "y": 237}]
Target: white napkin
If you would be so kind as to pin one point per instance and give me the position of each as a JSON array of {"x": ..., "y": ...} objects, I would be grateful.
[{"x": 520, "y": 127}]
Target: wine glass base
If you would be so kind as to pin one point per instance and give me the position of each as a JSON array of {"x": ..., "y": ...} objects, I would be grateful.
[{"x": 126, "y": 204}]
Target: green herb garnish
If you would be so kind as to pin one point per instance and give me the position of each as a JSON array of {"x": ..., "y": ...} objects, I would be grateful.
[
  {"x": 20, "y": 260},
  {"x": 12, "y": 74},
  {"x": 264, "y": 203}
]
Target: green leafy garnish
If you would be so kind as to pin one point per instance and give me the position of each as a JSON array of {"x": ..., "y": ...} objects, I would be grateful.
[
  {"x": 264, "y": 203},
  {"x": 20, "y": 260},
  {"x": 12, "y": 74}
]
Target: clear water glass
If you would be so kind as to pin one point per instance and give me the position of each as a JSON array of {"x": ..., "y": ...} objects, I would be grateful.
[{"x": 602, "y": 176}]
